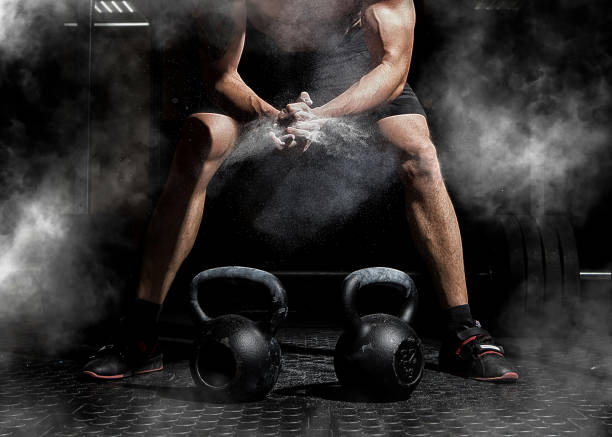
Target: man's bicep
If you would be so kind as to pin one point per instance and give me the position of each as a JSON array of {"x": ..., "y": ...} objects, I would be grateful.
[
  {"x": 221, "y": 31},
  {"x": 389, "y": 29}
]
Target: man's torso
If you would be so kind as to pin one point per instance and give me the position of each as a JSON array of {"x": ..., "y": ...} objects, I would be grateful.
[{"x": 303, "y": 25}]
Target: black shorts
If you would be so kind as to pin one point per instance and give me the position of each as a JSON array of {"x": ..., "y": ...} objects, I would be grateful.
[{"x": 278, "y": 76}]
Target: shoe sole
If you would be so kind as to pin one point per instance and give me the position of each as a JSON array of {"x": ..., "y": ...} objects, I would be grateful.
[
  {"x": 507, "y": 377},
  {"x": 155, "y": 362},
  {"x": 122, "y": 375}
]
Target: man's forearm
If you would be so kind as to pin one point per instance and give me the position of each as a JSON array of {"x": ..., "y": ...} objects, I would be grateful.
[
  {"x": 380, "y": 85},
  {"x": 238, "y": 100}
]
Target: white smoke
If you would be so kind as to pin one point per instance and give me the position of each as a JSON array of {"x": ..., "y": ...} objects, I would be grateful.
[
  {"x": 22, "y": 22},
  {"x": 39, "y": 229},
  {"x": 52, "y": 280},
  {"x": 517, "y": 122}
]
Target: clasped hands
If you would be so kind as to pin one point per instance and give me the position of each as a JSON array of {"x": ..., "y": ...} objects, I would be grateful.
[{"x": 296, "y": 126}]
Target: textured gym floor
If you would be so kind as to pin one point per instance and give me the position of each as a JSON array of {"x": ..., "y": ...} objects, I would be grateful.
[{"x": 562, "y": 391}]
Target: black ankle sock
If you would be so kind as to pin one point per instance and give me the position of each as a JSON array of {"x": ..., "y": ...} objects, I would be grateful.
[
  {"x": 458, "y": 316},
  {"x": 141, "y": 322},
  {"x": 145, "y": 312}
]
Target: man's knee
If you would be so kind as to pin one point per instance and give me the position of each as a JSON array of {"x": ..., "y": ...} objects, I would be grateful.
[
  {"x": 409, "y": 134},
  {"x": 419, "y": 161},
  {"x": 208, "y": 136}
]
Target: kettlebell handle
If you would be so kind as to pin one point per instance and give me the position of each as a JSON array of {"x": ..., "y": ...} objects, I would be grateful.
[
  {"x": 378, "y": 276},
  {"x": 278, "y": 309}
]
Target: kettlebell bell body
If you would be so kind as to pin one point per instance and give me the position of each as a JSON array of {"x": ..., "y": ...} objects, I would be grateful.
[
  {"x": 379, "y": 353},
  {"x": 236, "y": 359},
  {"x": 384, "y": 358}
]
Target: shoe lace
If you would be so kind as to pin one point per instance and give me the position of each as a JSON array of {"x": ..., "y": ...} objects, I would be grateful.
[{"x": 109, "y": 349}]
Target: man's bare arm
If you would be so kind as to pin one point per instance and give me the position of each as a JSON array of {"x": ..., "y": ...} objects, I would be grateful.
[
  {"x": 222, "y": 26},
  {"x": 389, "y": 34}
]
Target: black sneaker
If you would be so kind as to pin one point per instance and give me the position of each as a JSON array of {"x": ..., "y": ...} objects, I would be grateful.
[
  {"x": 472, "y": 353},
  {"x": 120, "y": 361}
]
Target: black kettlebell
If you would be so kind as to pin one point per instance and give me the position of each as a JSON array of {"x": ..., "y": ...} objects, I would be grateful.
[
  {"x": 379, "y": 354},
  {"x": 236, "y": 359}
]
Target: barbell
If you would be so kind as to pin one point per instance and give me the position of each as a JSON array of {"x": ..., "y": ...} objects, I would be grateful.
[{"x": 531, "y": 264}]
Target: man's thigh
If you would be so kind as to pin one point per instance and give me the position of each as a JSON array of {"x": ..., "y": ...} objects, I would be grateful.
[
  {"x": 206, "y": 141},
  {"x": 407, "y": 132}
]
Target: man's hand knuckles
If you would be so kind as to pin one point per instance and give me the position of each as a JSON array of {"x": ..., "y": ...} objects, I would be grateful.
[{"x": 294, "y": 108}]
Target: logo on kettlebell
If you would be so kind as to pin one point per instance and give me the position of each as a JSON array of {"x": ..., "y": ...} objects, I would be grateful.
[{"x": 407, "y": 362}]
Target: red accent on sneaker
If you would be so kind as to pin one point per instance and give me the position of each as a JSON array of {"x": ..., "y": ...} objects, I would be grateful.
[
  {"x": 491, "y": 352},
  {"x": 95, "y": 375},
  {"x": 510, "y": 376},
  {"x": 121, "y": 375},
  {"x": 458, "y": 351},
  {"x": 149, "y": 370}
]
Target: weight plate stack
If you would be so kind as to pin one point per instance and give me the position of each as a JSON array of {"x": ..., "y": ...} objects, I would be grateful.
[
  {"x": 568, "y": 254},
  {"x": 509, "y": 271},
  {"x": 553, "y": 267},
  {"x": 534, "y": 266},
  {"x": 535, "y": 272}
]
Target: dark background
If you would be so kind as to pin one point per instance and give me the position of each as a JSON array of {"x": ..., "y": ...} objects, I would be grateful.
[{"x": 518, "y": 99}]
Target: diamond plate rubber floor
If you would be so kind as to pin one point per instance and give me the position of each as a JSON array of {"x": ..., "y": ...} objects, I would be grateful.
[{"x": 560, "y": 393}]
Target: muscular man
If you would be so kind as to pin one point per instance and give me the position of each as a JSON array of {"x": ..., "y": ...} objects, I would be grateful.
[{"x": 354, "y": 55}]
